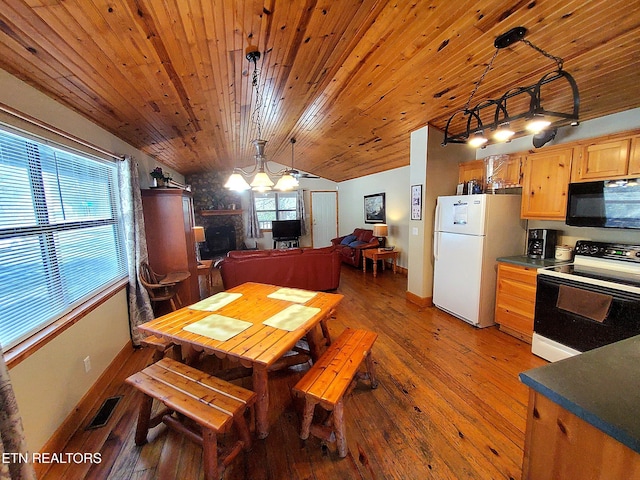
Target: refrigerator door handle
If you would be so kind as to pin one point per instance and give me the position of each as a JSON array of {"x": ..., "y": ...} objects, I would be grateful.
[
  {"x": 436, "y": 244},
  {"x": 436, "y": 225}
]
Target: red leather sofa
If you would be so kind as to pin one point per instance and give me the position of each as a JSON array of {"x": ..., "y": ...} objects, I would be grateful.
[
  {"x": 351, "y": 246},
  {"x": 307, "y": 268}
]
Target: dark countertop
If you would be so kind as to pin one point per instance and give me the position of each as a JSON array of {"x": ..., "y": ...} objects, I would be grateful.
[
  {"x": 601, "y": 386},
  {"x": 524, "y": 261}
]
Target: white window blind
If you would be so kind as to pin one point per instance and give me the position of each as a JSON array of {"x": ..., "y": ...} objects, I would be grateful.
[{"x": 60, "y": 237}]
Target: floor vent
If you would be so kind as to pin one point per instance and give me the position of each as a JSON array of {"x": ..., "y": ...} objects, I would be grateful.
[{"x": 103, "y": 415}]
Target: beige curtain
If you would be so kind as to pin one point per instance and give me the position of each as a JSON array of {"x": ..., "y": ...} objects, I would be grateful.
[
  {"x": 13, "y": 445},
  {"x": 140, "y": 310}
]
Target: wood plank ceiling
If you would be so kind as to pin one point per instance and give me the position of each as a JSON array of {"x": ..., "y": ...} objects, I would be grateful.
[{"x": 349, "y": 79}]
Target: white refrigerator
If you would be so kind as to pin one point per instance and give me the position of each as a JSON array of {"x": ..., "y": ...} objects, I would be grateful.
[{"x": 471, "y": 231}]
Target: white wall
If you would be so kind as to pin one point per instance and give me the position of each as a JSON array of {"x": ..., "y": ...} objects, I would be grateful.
[
  {"x": 51, "y": 382},
  {"x": 395, "y": 185}
]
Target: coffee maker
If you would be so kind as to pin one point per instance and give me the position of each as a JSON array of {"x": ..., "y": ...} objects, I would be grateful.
[{"x": 541, "y": 243}]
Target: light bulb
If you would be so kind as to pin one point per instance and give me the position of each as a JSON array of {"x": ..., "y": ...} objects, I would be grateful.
[{"x": 477, "y": 140}]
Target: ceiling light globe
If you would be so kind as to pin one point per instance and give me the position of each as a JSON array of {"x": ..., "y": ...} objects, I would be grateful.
[
  {"x": 237, "y": 183},
  {"x": 286, "y": 182},
  {"x": 261, "y": 182}
]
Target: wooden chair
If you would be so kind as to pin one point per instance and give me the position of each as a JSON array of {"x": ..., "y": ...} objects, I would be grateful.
[
  {"x": 158, "y": 292},
  {"x": 330, "y": 379},
  {"x": 213, "y": 405}
]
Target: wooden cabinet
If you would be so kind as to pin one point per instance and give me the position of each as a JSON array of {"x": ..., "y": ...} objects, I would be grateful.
[
  {"x": 634, "y": 158},
  {"x": 546, "y": 176},
  {"x": 474, "y": 170},
  {"x": 168, "y": 223},
  {"x": 516, "y": 300},
  {"x": 602, "y": 160},
  {"x": 510, "y": 171}
]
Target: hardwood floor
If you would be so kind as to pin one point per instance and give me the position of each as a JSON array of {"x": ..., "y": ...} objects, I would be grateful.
[{"x": 449, "y": 406}]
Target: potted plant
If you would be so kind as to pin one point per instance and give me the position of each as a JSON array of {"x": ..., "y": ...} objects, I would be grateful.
[{"x": 159, "y": 178}]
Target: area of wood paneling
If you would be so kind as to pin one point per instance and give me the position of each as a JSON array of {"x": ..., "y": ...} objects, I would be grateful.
[{"x": 349, "y": 80}]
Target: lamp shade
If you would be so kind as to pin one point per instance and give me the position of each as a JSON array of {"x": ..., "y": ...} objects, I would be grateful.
[
  {"x": 380, "y": 230},
  {"x": 198, "y": 233}
]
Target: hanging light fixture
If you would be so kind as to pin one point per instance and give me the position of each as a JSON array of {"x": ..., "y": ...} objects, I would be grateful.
[
  {"x": 509, "y": 120},
  {"x": 261, "y": 181},
  {"x": 288, "y": 180}
]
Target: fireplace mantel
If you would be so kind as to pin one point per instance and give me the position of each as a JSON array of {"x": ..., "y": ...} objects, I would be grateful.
[{"x": 211, "y": 213}]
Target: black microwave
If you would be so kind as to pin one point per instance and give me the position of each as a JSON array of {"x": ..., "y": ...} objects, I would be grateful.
[{"x": 607, "y": 203}]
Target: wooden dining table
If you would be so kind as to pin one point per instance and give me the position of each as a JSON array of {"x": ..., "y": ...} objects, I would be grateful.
[{"x": 258, "y": 346}]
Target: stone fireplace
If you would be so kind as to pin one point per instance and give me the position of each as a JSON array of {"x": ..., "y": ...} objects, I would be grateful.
[{"x": 213, "y": 208}]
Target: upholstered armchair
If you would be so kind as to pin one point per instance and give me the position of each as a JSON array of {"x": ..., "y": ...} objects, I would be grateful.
[{"x": 351, "y": 246}]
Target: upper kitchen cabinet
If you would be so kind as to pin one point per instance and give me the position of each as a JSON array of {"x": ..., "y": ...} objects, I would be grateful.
[
  {"x": 474, "y": 170},
  {"x": 606, "y": 158},
  {"x": 509, "y": 172},
  {"x": 634, "y": 158},
  {"x": 546, "y": 176}
]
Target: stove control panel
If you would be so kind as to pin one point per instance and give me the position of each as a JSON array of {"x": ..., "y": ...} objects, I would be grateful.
[{"x": 613, "y": 251}]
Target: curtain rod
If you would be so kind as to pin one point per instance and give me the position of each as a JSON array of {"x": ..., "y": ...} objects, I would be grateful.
[{"x": 57, "y": 131}]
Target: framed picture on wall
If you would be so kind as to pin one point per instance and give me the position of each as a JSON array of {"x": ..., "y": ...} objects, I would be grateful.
[
  {"x": 374, "y": 208},
  {"x": 416, "y": 202}
]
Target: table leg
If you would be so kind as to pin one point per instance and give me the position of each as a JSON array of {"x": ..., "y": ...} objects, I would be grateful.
[
  {"x": 364, "y": 264},
  {"x": 260, "y": 386},
  {"x": 316, "y": 341},
  {"x": 394, "y": 264},
  {"x": 375, "y": 266}
]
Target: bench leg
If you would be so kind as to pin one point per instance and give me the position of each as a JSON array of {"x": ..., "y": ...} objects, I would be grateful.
[
  {"x": 339, "y": 428},
  {"x": 307, "y": 417},
  {"x": 144, "y": 415},
  {"x": 371, "y": 370},
  {"x": 243, "y": 431},
  {"x": 210, "y": 454}
]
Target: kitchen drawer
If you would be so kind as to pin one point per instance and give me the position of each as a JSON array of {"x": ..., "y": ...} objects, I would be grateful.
[
  {"x": 522, "y": 306},
  {"x": 519, "y": 274},
  {"x": 516, "y": 300},
  {"x": 517, "y": 288},
  {"x": 514, "y": 324}
]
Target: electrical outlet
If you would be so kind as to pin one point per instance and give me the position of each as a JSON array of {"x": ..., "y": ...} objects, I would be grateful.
[{"x": 87, "y": 364}]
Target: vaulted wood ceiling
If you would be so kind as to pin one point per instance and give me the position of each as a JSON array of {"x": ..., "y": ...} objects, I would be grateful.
[{"x": 348, "y": 79}]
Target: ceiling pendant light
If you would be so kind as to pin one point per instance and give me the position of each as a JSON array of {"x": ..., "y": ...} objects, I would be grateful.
[
  {"x": 506, "y": 124},
  {"x": 288, "y": 180},
  {"x": 503, "y": 133},
  {"x": 261, "y": 182},
  {"x": 477, "y": 139}
]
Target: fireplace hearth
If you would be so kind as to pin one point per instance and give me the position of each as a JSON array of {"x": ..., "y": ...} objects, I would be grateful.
[{"x": 219, "y": 240}]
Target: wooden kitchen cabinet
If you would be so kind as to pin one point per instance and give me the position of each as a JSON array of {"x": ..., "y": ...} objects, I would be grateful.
[
  {"x": 546, "y": 177},
  {"x": 474, "y": 170},
  {"x": 516, "y": 300},
  {"x": 168, "y": 224},
  {"x": 602, "y": 160},
  {"x": 634, "y": 158}
]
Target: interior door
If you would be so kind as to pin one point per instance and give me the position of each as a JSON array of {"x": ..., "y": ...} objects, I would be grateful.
[{"x": 324, "y": 218}]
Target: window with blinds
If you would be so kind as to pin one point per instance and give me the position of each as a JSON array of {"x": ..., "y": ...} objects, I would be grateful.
[
  {"x": 60, "y": 237},
  {"x": 275, "y": 206}
]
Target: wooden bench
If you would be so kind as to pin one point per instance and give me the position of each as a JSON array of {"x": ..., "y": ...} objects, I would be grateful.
[
  {"x": 329, "y": 380},
  {"x": 213, "y": 404}
]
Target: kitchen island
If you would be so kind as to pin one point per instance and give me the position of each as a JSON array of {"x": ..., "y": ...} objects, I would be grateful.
[{"x": 584, "y": 415}]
